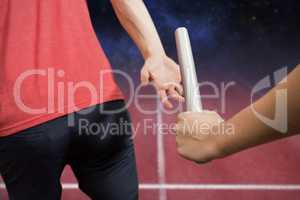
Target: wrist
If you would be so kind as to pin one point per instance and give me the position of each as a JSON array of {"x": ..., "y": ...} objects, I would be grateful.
[
  {"x": 224, "y": 141},
  {"x": 156, "y": 52}
]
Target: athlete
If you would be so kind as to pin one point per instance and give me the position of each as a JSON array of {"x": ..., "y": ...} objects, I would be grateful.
[
  {"x": 55, "y": 75},
  {"x": 202, "y": 137}
]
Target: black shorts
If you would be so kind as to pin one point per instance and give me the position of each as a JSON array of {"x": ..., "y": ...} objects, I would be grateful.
[{"x": 96, "y": 143}]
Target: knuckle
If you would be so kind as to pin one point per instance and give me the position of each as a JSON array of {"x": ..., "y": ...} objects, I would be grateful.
[
  {"x": 143, "y": 72},
  {"x": 212, "y": 151},
  {"x": 181, "y": 151}
]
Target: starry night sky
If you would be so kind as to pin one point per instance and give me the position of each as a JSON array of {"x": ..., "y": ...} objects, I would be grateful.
[{"x": 240, "y": 40}]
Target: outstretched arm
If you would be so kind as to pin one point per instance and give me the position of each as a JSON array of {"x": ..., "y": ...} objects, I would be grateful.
[
  {"x": 158, "y": 67},
  {"x": 242, "y": 131}
]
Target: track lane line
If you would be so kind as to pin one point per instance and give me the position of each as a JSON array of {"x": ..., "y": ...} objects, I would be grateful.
[
  {"x": 160, "y": 154},
  {"x": 149, "y": 186}
]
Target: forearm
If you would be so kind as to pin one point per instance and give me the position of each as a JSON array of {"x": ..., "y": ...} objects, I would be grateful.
[
  {"x": 251, "y": 131},
  {"x": 136, "y": 20}
]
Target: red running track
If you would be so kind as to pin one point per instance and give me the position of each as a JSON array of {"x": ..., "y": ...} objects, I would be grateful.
[{"x": 267, "y": 172}]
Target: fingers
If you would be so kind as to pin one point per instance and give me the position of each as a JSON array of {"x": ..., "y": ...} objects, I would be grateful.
[
  {"x": 168, "y": 90},
  {"x": 190, "y": 123},
  {"x": 166, "y": 80},
  {"x": 190, "y": 116},
  {"x": 172, "y": 93},
  {"x": 199, "y": 125},
  {"x": 145, "y": 76},
  {"x": 192, "y": 150},
  {"x": 178, "y": 129},
  {"x": 188, "y": 130},
  {"x": 164, "y": 90},
  {"x": 164, "y": 98},
  {"x": 198, "y": 150},
  {"x": 175, "y": 95},
  {"x": 179, "y": 89}
]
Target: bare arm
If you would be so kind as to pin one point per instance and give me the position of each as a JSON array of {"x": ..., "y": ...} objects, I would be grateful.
[
  {"x": 134, "y": 17},
  {"x": 251, "y": 131},
  {"x": 248, "y": 130},
  {"x": 158, "y": 68}
]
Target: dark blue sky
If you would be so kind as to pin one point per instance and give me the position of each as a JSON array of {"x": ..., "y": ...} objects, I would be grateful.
[{"x": 232, "y": 40}]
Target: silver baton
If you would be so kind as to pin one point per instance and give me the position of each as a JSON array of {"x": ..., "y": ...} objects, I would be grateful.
[{"x": 188, "y": 71}]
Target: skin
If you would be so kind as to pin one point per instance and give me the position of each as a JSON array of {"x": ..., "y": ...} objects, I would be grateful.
[
  {"x": 198, "y": 140},
  {"x": 159, "y": 69}
]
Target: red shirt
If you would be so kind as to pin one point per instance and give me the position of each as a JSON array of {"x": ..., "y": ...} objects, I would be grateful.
[{"x": 51, "y": 63}]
